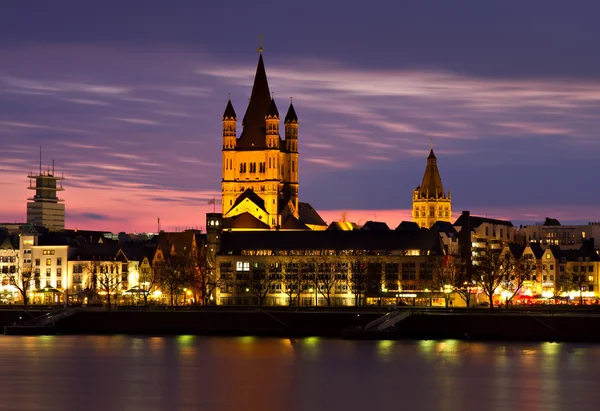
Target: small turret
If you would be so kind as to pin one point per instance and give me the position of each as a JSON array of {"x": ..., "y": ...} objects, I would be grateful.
[
  {"x": 272, "y": 125},
  {"x": 291, "y": 129},
  {"x": 229, "y": 127}
]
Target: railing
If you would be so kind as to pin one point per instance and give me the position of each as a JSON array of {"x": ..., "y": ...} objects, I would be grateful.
[{"x": 49, "y": 318}]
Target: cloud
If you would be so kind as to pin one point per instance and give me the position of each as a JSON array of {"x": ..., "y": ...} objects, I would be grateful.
[
  {"x": 86, "y": 101},
  {"x": 141, "y": 121},
  {"x": 95, "y": 216},
  {"x": 328, "y": 162}
]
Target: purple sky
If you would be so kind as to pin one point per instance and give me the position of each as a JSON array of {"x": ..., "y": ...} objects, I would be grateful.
[{"x": 127, "y": 96}]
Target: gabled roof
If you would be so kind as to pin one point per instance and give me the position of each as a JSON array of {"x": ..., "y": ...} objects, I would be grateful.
[
  {"x": 342, "y": 226},
  {"x": 291, "y": 116},
  {"x": 444, "y": 227},
  {"x": 229, "y": 113},
  {"x": 244, "y": 221},
  {"x": 431, "y": 185},
  {"x": 179, "y": 243},
  {"x": 408, "y": 226},
  {"x": 585, "y": 251},
  {"x": 254, "y": 126},
  {"x": 292, "y": 223},
  {"x": 137, "y": 251},
  {"x": 8, "y": 241},
  {"x": 375, "y": 226},
  {"x": 477, "y": 221},
  {"x": 235, "y": 241},
  {"x": 551, "y": 221},
  {"x": 308, "y": 215},
  {"x": 252, "y": 196},
  {"x": 537, "y": 250},
  {"x": 516, "y": 250}
]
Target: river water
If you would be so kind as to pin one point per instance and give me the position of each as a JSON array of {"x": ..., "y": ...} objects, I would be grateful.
[{"x": 261, "y": 374}]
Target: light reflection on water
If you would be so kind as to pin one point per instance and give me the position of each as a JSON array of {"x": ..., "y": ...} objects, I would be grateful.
[{"x": 202, "y": 373}]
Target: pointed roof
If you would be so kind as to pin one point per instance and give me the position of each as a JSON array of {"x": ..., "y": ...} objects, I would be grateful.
[
  {"x": 254, "y": 127},
  {"x": 252, "y": 196},
  {"x": 273, "y": 112},
  {"x": 308, "y": 215},
  {"x": 408, "y": 226},
  {"x": 375, "y": 226},
  {"x": 292, "y": 223},
  {"x": 291, "y": 116},
  {"x": 244, "y": 221},
  {"x": 229, "y": 112},
  {"x": 431, "y": 186}
]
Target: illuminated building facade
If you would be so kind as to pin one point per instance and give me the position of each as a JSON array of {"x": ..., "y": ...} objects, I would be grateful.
[
  {"x": 430, "y": 202},
  {"x": 260, "y": 169},
  {"x": 322, "y": 268}
]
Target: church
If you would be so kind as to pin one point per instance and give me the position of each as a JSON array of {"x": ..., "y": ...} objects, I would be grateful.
[
  {"x": 430, "y": 203},
  {"x": 260, "y": 168}
]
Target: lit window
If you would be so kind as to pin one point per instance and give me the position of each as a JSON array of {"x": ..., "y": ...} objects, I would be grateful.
[{"x": 48, "y": 261}]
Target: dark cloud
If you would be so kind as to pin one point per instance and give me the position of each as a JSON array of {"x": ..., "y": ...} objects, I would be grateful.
[{"x": 90, "y": 216}]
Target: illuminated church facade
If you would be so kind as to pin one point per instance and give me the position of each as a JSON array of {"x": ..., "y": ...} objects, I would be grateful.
[{"x": 260, "y": 168}]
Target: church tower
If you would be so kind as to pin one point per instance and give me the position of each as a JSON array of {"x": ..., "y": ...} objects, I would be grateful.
[
  {"x": 259, "y": 168},
  {"x": 430, "y": 203}
]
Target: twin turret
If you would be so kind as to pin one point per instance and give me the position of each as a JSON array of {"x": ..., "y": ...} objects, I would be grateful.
[{"x": 271, "y": 128}]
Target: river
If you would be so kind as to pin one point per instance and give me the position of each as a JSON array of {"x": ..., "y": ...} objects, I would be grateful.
[{"x": 112, "y": 373}]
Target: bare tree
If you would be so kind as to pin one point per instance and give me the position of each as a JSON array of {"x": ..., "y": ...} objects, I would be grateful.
[
  {"x": 149, "y": 278},
  {"x": 575, "y": 278},
  {"x": 447, "y": 277},
  {"x": 465, "y": 280},
  {"x": 491, "y": 270},
  {"x": 516, "y": 274},
  {"x": 291, "y": 279},
  {"x": 205, "y": 280},
  {"x": 325, "y": 277},
  {"x": 357, "y": 280},
  {"x": 262, "y": 281},
  {"x": 105, "y": 278},
  {"x": 176, "y": 272},
  {"x": 21, "y": 279}
]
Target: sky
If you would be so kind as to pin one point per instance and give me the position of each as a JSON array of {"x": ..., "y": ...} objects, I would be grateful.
[{"x": 127, "y": 98}]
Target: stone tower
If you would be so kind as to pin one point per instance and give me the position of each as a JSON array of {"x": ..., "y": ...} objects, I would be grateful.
[
  {"x": 430, "y": 203},
  {"x": 259, "y": 168}
]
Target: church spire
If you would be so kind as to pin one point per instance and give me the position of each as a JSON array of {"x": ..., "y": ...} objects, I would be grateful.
[
  {"x": 254, "y": 133},
  {"x": 229, "y": 113},
  {"x": 431, "y": 186}
]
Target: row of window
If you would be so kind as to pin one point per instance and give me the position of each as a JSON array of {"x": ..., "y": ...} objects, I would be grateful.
[
  {"x": 49, "y": 272},
  {"x": 48, "y": 261},
  {"x": 332, "y": 252}
]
